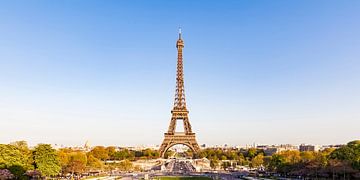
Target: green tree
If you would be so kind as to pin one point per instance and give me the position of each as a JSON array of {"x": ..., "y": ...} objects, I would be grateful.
[
  {"x": 257, "y": 161},
  {"x": 76, "y": 162},
  {"x": 343, "y": 153},
  {"x": 214, "y": 163},
  {"x": 232, "y": 155},
  {"x": 202, "y": 154},
  {"x": 349, "y": 153},
  {"x": 11, "y": 158},
  {"x": 277, "y": 162},
  {"x": 46, "y": 160},
  {"x": 63, "y": 155},
  {"x": 241, "y": 160},
  {"x": 291, "y": 156},
  {"x": 94, "y": 163},
  {"x": 252, "y": 152},
  {"x": 22, "y": 146},
  {"x": 307, "y": 156},
  {"x": 111, "y": 152},
  {"x": 155, "y": 154},
  {"x": 100, "y": 152}
]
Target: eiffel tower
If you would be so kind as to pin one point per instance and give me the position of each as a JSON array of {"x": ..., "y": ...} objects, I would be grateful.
[{"x": 179, "y": 112}]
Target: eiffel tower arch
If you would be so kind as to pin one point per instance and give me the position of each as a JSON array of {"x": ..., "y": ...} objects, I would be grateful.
[{"x": 179, "y": 112}]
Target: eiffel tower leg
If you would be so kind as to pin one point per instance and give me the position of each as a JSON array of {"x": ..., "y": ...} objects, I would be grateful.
[
  {"x": 187, "y": 126},
  {"x": 163, "y": 148},
  {"x": 172, "y": 125}
]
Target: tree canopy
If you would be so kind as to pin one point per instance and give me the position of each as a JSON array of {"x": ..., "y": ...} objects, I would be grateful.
[
  {"x": 18, "y": 161},
  {"x": 46, "y": 160}
]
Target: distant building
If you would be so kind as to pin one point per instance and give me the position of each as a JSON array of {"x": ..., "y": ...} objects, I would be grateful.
[
  {"x": 262, "y": 146},
  {"x": 270, "y": 150},
  {"x": 335, "y": 146},
  {"x": 304, "y": 147}
]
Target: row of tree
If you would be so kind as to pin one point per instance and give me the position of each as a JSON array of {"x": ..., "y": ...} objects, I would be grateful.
[
  {"x": 19, "y": 161},
  {"x": 334, "y": 163},
  {"x": 342, "y": 162},
  {"x": 110, "y": 153},
  {"x": 22, "y": 162}
]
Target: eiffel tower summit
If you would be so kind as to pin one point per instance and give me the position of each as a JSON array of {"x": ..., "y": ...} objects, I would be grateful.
[{"x": 179, "y": 111}]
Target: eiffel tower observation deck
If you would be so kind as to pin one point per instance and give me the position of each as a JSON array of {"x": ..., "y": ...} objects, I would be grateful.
[{"x": 179, "y": 111}]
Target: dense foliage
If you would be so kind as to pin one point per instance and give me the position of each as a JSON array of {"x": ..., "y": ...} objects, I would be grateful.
[
  {"x": 334, "y": 163},
  {"x": 46, "y": 160},
  {"x": 17, "y": 160}
]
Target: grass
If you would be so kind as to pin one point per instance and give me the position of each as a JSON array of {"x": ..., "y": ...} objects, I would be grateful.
[
  {"x": 182, "y": 178},
  {"x": 94, "y": 177}
]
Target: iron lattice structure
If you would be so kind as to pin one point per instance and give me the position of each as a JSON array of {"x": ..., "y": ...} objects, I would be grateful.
[{"x": 179, "y": 112}]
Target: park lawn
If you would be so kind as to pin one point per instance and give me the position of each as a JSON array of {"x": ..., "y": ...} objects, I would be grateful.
[
  {"x": 96, "y": 177},
  {"x": 182, "y": 178}
]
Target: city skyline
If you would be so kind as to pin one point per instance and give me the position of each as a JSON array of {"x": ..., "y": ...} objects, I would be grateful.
[{"x": 268, "y": 73}]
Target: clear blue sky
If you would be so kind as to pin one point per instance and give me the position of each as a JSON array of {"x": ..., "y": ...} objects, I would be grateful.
[{"x": 266, "y": 72}]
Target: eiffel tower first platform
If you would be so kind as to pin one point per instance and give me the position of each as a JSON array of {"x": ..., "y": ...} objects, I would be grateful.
[{"x": 179, "y": 112}]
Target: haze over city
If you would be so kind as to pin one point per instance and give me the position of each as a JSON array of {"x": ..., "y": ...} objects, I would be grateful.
[{"x": 275, "y": 72}]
